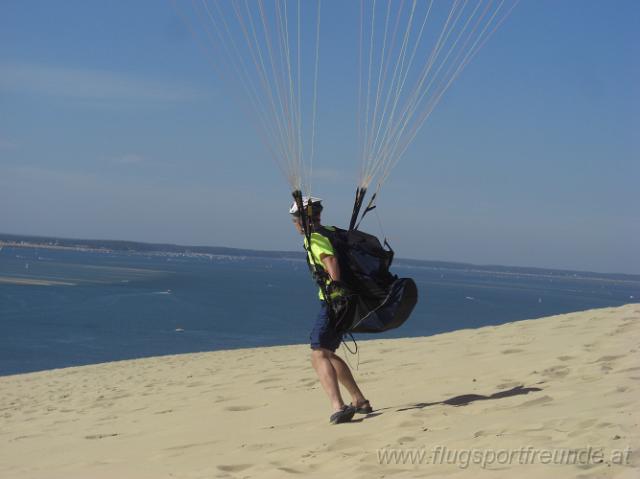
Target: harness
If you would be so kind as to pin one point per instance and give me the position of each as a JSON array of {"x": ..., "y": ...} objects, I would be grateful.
[
  {"x": 317, "y": 271},
  {"x": 373, "y": 300}
]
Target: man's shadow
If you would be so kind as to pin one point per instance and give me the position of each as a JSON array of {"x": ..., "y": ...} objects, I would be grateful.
[
  {"x": 462, "y": 400},
  {"x": 466, "y": 399}
]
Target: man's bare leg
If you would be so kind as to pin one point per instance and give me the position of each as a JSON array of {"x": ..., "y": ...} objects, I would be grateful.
[
  {"x": 346, "y": 379},
  {"x": 321, "y": 361}
]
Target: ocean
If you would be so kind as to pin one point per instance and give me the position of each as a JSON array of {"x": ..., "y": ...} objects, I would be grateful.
[{"x": 78, "y": 307}]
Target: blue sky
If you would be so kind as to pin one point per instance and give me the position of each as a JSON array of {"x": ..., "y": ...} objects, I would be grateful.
[{"x": 114, "y": 125}]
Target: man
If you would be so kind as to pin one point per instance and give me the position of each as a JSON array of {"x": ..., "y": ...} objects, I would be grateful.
[{"x": 325, "y": 338}]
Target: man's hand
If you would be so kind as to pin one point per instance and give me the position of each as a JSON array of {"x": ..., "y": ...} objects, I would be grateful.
[{"x": 338, "y": 288}]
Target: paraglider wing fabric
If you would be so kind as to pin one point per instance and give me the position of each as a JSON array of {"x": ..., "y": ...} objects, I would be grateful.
[{"x": 375, "y": 317}]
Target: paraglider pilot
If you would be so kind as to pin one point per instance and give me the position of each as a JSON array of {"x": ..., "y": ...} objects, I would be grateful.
[{"x": 325, "y": 338}]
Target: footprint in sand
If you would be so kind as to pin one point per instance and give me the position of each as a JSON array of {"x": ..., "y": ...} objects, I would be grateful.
[
  {"x": 536, "y": 402},
  {"x": 268, "y": 380},
  {"x": 629, "y": 369},
  {"x": 565, "y": 358},
  {"x": 407, "y": 424},
  {"x": 511, "y": 351},
  {"x": 240, "y": 408},
  {"x": 234, "y": 467},
  {"x": 290, "y": 470},
  {"x": 343, "y": 443},
  {"x": 370, "y": 361},
  {"x": 102, "y": 436},
  {"x": 623, "y": 328},
  {"x": 565, "y": 326},
  {"x": 260, "y": 446},
  {"x": 405, "y": 439},
  {"x": 607, "y": 362},
  {"x": 556, "y": 372},
  {"x": 587, "y": 423},
  {"x": 508, "y": 385},
  {"x": 223, "y": 399},
  {"x": 195, "y": 384},
  {"x": 607, "y": 358},
  {"x": 189, "y": 446},
  {"x": 26, "y": 436}
]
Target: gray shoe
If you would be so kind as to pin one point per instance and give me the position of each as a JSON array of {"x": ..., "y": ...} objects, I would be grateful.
[
  {"x": 343, "y": 415},
  {"x": 364, "y": 408}
]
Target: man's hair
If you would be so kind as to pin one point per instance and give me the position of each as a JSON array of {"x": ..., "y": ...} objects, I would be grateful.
[{"x": 313, "y": 220}]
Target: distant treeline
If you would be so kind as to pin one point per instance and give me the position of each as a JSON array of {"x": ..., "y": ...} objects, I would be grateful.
[
  {"x": 138, "y": 247},
  {"x": 153, "y": 248}
]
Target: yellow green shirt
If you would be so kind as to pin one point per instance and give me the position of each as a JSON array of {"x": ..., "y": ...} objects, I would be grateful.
[{"x": 320, "y": 246}]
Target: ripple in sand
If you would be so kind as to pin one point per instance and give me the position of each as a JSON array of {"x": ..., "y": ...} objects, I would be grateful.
[
  {"x": 240, "y": 408},
  {"x": 234, "y": 467},
  {"x": 101, "y": 436}
]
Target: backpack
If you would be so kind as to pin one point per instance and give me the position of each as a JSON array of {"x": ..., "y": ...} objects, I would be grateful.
[{"x": 377, "y": 300}]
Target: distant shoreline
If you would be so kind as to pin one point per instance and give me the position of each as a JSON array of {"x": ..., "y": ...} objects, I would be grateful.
[
  {"x": 33, "y": 281},
  {"x": 135, "y": 247},
  {"x": 22, "y": 244}
]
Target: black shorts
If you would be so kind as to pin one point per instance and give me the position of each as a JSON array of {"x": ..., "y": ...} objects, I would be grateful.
[{"x": 324, "y": 335}]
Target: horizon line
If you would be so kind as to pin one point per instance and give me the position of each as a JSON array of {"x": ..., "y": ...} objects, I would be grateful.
[{"x": 289, "y": 252}]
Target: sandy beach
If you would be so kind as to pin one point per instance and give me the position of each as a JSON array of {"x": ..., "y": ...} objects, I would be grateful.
[{"x": 552, "y": 397}]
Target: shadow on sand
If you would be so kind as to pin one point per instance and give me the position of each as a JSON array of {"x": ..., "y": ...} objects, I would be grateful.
[
  {"x": 465, "y": 399},
  {"x": 461, "y": 400}
]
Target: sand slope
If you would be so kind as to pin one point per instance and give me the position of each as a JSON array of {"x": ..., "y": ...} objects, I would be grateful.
[{"x": 551, "y": 384}]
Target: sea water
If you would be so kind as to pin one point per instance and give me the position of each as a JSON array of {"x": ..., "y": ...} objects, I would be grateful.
[{"x": 94, "y": 307}]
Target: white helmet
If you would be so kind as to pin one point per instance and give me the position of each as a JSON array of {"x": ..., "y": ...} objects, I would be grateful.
[{"x": 316, "y": 205}]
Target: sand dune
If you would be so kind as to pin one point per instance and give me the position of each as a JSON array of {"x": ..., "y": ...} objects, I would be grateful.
[{"x": 560, "y": 389}]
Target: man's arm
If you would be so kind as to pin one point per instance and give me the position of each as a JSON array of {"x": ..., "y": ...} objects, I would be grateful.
[{"x": 331, "y": 266}]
